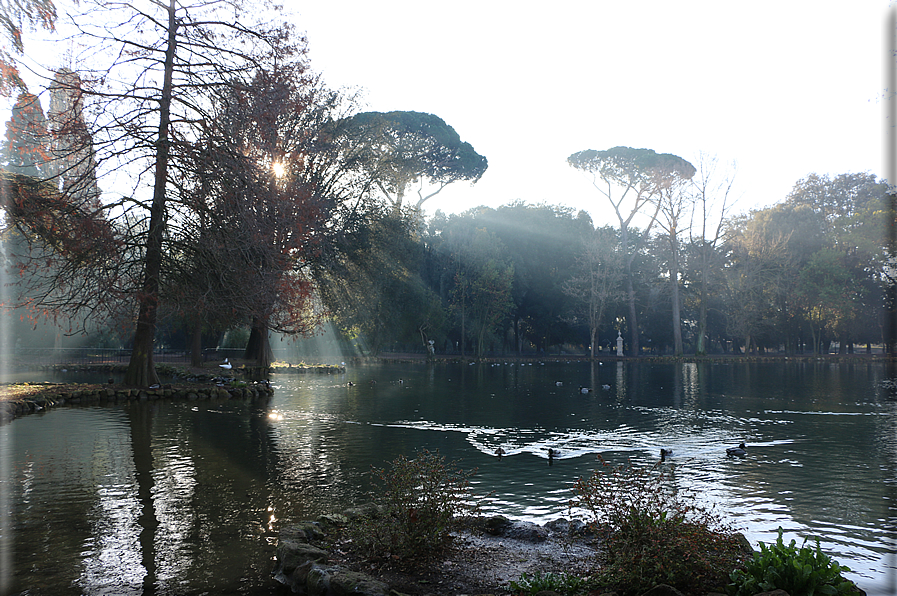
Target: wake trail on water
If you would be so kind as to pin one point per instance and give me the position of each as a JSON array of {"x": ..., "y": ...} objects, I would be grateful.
[{"x": 577, "y": 443}]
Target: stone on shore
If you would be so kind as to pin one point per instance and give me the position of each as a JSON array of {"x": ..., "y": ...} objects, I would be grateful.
[{"x": 299, "y": 566}]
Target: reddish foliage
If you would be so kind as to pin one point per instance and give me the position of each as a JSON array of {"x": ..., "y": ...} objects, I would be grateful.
[{"x": 76, "y": 232}]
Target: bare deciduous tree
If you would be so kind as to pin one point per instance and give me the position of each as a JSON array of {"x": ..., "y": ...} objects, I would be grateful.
[{"x": 710, "y": 206}]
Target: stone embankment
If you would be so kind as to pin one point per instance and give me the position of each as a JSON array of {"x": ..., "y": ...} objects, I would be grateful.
[
  {"x": 189, "y": 373},
  {"x": 189, "y": 384},
  {"x": 29, "y": 398}
]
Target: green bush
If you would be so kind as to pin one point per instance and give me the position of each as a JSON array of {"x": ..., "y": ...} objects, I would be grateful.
[
  {"x": 803, "y": 570},
  {"x": 655, "y": 534},
  {"x": 538, "y": 582},
  {"x": 419, "y": 506}
]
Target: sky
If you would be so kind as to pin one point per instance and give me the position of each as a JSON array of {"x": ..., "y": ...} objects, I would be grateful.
[
  {"x": 782, "y": 89},
  {"x": 774, "y": 90}
]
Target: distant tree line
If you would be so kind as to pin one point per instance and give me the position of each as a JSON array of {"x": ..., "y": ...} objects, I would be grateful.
[{"x": 540, "y": 279}]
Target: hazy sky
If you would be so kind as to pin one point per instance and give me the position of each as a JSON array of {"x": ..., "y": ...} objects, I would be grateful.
[{"x": 784, "y": 88}]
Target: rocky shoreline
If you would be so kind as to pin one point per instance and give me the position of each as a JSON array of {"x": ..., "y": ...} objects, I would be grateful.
[
  {"x": 489, "y": 553},
  {"x": 315, "y": 558},
  {"x": 21, "y": 399}
]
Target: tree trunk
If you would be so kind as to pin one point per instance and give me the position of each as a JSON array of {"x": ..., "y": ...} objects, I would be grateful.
[
  {"x": 633, "y": 318},
  {"x": 674, "y": 295},
  {"x": 816, "y": 340},
  {"x": 463, "y": 325},
  {"x": 141, "y": 369},
  {"x": 196, "y": 345},
  {"x": 701, "y": 343},
  {"x": 258, "y": 348}
]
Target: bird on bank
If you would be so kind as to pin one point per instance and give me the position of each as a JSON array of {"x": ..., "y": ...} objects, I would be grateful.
[
  {"x": 737, "y": 451},
  {"x": 227, "y": 365}
]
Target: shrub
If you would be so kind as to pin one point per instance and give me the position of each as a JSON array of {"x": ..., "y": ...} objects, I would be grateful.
[
  {"x": 655, "y": 534},
  {"x": 420, "y": 503},
  {"x": 801, "y": 570},
  {"x": 561, "y": 583}
]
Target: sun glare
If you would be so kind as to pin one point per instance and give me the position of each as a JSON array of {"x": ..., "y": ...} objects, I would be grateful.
[{"x": 279, "y": 169}]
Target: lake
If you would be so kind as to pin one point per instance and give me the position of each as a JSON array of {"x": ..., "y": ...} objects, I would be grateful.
[{"x": 188, "y": 497}]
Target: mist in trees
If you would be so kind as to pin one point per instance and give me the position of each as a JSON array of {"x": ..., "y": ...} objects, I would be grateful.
[
  {"x": 597, "y": 282},
  {"x": 789, "y": 277}
]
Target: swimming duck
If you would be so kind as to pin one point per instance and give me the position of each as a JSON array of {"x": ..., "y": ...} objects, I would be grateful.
[
  {"x": 737, "y": 451},
  {"x": 585, "y": 389}
]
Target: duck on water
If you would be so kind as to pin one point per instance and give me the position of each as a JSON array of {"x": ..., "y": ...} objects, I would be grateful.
[{"x": 739, "y": 451}]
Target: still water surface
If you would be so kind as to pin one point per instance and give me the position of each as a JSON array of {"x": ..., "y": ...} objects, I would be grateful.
[{"x": 187, "y": 497}]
